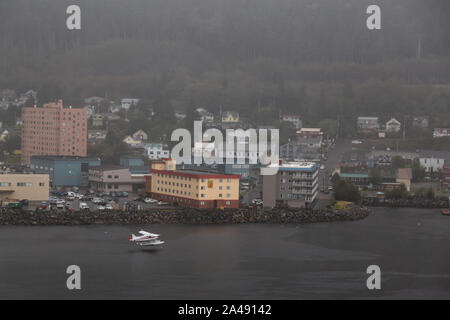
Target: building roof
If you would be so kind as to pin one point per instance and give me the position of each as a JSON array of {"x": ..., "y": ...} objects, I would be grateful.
[
  {"x": 436, "y": 154},
  {"x": 109, "y": 168},
  {"x": 353, "y": 175},
  {"x": 309, "y": 130},
  {"x": 291, "y": 116},
  {"x": 368, "y": 118},
  {"x": 197, "y": 174},
  {"x": 63, "y": 158},
  {"x": 393, "y": 120},
  {"x": 295, "y": 166}
]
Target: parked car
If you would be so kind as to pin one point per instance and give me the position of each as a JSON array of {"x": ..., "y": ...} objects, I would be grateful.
[
  {"x": 70, "y": 195},
  {"x": 123, "y": 194},
  {"x": 162, "y": 203},
  {"x": 108, "y": 207},
  {"x": 150, "y": 200},
  {"x": 84, "y": 206},
  {"x": 101, "y": 208},
  {"x": 98, "y": 200}
]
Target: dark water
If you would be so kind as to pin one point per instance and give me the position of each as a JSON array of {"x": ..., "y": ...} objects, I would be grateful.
[{"x": 325, "y": 261}]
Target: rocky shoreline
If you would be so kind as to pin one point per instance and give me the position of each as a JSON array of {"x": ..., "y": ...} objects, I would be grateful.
[
  {"x": 406, "y": 203},
  {"x": 184, "y": 216}
]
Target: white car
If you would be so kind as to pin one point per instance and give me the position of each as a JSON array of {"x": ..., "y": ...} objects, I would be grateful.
[
  {"x": 60, "y": 205},
  {"x": 108, "y": 207},
  {"x": 84, "y": 206},
  {"x": 258, "y": 202},
  {"x": 101, "y": 208},
  {"x": 150, "y": 200},
  {"x": 60, "y": 201},
  {"x": 70, "y": 195},
  {"x": 322, "y": 167},
  {"x": 97, "y": 200}
]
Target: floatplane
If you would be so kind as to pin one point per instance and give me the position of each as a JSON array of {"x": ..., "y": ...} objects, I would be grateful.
[{"x": 146, "y": 239}]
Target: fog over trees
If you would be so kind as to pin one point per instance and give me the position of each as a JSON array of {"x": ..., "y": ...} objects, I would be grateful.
[{"x": 313, "y": 57}]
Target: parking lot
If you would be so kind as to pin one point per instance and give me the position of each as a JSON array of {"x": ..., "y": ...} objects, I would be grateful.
[{"x": 95, "y": 202}]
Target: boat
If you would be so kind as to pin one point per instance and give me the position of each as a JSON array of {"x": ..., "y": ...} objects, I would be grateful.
[
  {"x": 445, "y": 212},
  {"x": 146, "y": 239}
]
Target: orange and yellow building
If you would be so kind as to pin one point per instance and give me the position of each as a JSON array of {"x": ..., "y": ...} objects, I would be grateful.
[{"x": 192, "y": 188}]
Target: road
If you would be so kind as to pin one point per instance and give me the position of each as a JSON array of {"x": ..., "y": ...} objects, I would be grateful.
[{"x": 334, "y": 157}]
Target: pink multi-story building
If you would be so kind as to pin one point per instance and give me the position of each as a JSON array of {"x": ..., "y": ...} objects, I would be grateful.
[{"x": 53, "y": 130}]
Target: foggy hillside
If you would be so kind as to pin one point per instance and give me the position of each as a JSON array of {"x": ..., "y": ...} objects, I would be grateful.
[{"x": 218, "y": 52}]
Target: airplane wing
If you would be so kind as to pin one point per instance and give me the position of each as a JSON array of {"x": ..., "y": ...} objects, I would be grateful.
[{"x": 145, "y": 233}]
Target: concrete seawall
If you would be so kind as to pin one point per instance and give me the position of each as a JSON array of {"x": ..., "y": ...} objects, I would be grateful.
[{"x": 183, "y": 216}]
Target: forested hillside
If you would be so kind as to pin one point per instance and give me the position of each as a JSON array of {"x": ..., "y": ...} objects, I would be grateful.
[{"x": 313, "y": 57}]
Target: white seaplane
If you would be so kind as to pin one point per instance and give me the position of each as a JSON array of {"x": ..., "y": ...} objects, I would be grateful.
[{"x": 146, "y": 239}]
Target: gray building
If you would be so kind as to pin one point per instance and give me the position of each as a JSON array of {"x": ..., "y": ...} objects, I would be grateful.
[{"x": 295, "y": 185}]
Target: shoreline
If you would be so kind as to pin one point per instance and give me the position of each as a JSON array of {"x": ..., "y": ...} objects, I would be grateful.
[{"x": 187, "y": 216}]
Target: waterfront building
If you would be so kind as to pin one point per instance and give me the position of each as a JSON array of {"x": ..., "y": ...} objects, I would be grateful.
[
  {"x": 64, "y": 171},
  {"x": 295, "y": 185},
  {"x": 16, "y": 187},
  {"x": 53, "y": 130},
  {"x": 111, "y": 178},
  {"x": 188, "y": 188}
]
